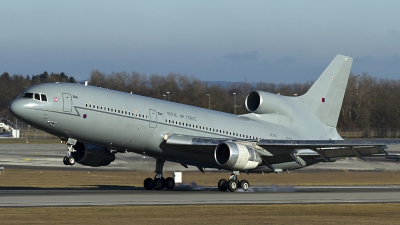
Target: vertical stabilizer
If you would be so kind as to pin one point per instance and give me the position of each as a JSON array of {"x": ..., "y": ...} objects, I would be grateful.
[{"x": 325, "y": 96}]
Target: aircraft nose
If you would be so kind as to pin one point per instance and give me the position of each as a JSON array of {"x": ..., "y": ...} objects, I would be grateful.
[{"x": 15, "y": 108}]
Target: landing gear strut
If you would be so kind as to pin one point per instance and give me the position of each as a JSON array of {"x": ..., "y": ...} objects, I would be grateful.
[
  {"x": 159, "y": 181},
  {"x": 69, "y": 160},
  {"x": 232, "y": 184}
]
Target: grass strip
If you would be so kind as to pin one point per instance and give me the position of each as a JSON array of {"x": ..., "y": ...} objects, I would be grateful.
[{"x": 207, "y": 214}]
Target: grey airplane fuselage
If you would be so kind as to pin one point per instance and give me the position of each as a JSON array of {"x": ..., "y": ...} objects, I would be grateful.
[{"x": 134, "y": 123}]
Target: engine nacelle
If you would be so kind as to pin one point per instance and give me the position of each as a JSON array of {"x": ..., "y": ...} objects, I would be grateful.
[
  {"x": 92, "y": 155},
  {"x": 261, "y": 102},
  {"x": 235, "y": 156}
]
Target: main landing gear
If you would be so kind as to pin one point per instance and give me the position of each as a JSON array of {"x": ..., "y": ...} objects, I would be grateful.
[
  {"x": 159, "y": 181},
  {"x": 232, "y": 184},
  {"x": 69, "y": 160}
]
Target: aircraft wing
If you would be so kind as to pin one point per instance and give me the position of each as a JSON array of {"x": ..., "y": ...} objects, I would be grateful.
[
  {"x": 311, "y": 144},
  {"x": 326, "y": 149}
]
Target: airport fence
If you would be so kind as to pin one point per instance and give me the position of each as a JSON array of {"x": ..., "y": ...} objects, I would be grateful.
[{"x": 26, "y": 131}]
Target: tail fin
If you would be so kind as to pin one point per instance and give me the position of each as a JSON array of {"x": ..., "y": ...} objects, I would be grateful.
[{"x": 325, "y": 96}]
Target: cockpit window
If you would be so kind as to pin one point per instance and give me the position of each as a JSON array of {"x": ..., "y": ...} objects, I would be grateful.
[
  {"x": 44, "y": 97},
  {"x": 27, "y": 95},
  {"x": 36, "y": 96}
]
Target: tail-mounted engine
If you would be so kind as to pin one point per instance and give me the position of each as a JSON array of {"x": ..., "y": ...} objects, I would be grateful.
[
  {"x": 261, "y": 102},
  {"x": 235, "y": 156},
  {"x": 92, "y": 155}
]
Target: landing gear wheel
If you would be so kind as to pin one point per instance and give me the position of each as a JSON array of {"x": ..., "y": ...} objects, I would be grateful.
[
  {"x": 244, "y": 184},
  {"x": 148, "y": 183},
  {"x": 158, "y": 184},
  {"x": 65, "y": 161},
  {"x": 222, "y": 185},
  {"x": 169, "y": 183},
  {"x": 71, "y": 160},
  {"x": 232, "y": 185}
]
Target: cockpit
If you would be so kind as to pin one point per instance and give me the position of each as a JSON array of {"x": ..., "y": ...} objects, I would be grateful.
[{"x": 36, "y": 96}]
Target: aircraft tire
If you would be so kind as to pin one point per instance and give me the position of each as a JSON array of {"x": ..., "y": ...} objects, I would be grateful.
[
  {"x": 232, "y": 185},
  {"x": 71, "y": 160},
  {"x": 169, "y": 183},
  {"x": 65, "y": 160},
  {"x": 222, "y": 185},
  {"x": 244, "y": 184},
  {"x": 148, "y": 183},
  {"x": 158, "y": 184}
]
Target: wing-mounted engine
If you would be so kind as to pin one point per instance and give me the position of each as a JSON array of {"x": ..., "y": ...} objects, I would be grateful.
[
  {"x": 260, "y": 102},
  {"x": 236, "y": 156},
  {"x": 92, "y": 155}
]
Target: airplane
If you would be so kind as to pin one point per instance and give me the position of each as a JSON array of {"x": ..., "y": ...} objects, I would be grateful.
[{"x": 279, "y": 133}]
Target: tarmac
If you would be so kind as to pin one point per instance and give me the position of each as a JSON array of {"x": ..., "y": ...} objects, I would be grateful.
[{"x": 49, "y": 156}]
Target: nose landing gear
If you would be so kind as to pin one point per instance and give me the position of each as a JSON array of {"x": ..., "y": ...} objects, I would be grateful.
[
  {"x": 159, "y": 181},
  {"x": 69, "y": 160}
]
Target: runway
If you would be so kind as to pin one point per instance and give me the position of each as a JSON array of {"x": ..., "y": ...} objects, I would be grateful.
[
  {"x": 48, "y": 156},
  {"x": 185, "y": 195}
]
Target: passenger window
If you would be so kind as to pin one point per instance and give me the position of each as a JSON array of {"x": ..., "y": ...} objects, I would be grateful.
[{"x": 44, "y": 98}]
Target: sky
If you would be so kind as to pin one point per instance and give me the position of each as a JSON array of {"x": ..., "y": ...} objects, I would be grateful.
[{"x": 253, "y": 41}]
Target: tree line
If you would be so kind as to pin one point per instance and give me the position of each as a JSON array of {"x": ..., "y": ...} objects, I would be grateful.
[{"x": 369, "y": 102}]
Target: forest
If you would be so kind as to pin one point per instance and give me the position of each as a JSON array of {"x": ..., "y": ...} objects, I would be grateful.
[{"x": 369, "y": 103}]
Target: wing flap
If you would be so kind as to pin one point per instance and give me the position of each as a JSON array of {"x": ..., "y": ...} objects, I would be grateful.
[{"x": 359, "y": 152}]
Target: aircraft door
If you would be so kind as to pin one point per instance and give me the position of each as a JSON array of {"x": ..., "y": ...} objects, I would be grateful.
[
  {"x": 67, "y": 102},
  {"x": 153, "y": 118}
]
